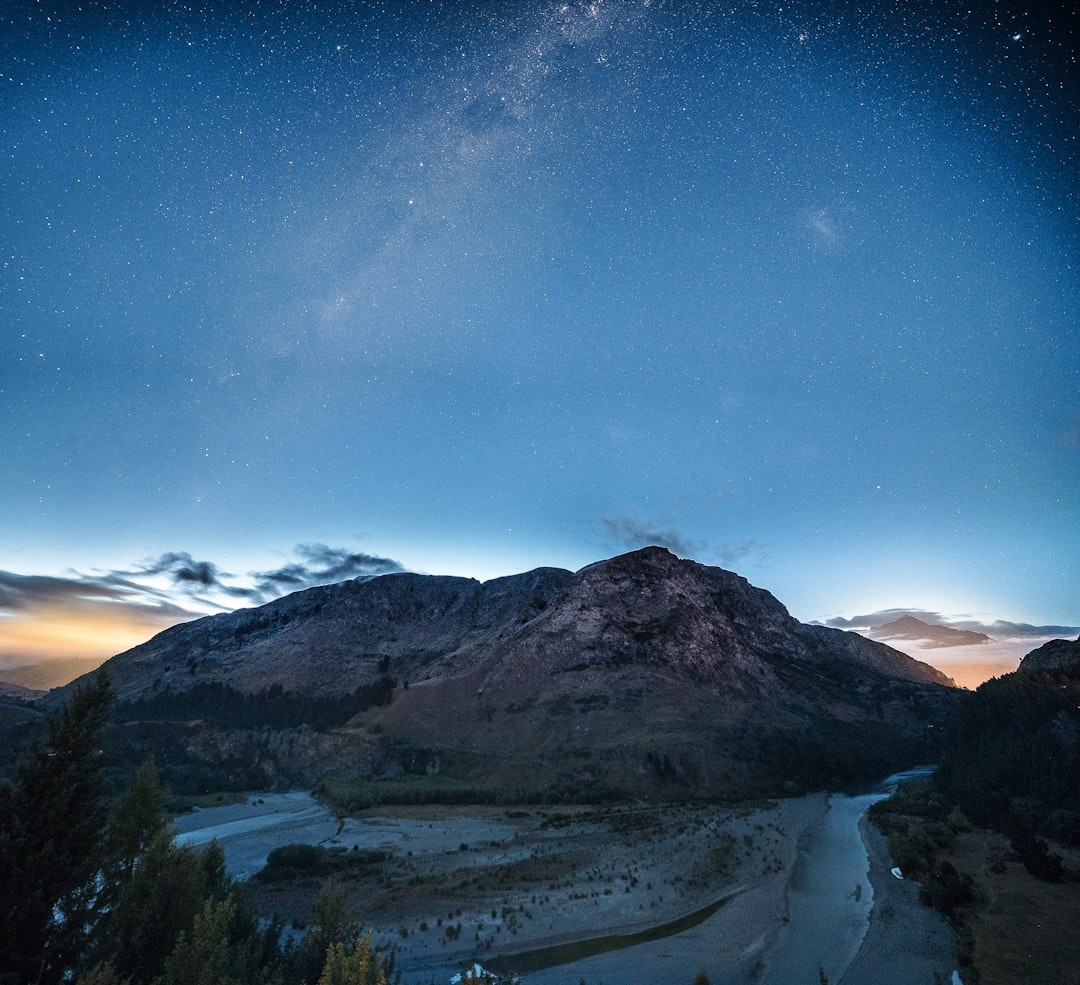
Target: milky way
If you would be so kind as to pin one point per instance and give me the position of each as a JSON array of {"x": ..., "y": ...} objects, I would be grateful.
[{"x": 790, "y": 287}]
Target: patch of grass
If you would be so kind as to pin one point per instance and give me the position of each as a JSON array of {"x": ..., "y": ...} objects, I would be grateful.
[{"x": 1021, "y": 929}]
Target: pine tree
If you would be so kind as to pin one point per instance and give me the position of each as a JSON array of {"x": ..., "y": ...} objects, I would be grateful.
[
  {"x": 157, "y": 903},
  {"x": 202, "y": 958},
  {"x": 361, "y": 967},
  {"x": 53, "y": 847}
]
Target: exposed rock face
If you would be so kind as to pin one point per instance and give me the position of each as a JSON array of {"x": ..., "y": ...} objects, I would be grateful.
[
  {"x": 646, "y": 608},
  {"x": 1053, "y": 655},
  {"x": 910, "y": 628},
  {"x": 644, "y": 672}
]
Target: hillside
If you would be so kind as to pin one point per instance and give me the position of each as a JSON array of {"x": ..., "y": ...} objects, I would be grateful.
[
  {"x": 644, "y": 673},
  {"x": 1053, "y": 655}
]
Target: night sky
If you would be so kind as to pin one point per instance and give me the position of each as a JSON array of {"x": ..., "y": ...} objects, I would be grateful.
[{"x": 293, "y": 292}]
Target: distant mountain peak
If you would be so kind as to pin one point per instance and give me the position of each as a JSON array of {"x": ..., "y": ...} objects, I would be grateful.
[{"x": 934, "y": 634}]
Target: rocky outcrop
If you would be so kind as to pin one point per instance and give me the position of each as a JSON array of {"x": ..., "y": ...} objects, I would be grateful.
[
  {"x": 1053, "y": 655},
  {"x": 646, "y": 608}
]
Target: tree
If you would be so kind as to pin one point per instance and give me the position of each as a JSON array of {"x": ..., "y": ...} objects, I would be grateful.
[
  {"x": 137, "y": 818},
  {"x": 202, "y": 957},
  {"x": 52, "y": 845},
  {"x": 156, "y": 903},
  {"x": 361, "y": 967}
]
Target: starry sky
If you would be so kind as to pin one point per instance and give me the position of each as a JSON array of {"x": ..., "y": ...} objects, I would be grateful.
[{"x": 296, "y": 291}]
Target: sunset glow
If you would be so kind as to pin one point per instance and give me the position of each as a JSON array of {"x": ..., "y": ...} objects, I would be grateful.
[{"x": 51, "y": 634}]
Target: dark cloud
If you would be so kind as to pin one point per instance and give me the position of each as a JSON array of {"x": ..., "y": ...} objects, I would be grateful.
[
  {"x": 632, "y": 534},
  {"x": 201, "y": 582},
  {"x": 999, "y": 629},
  {"x": 22, "y": 594},
  {"x": 199, "y": 579},
  {"x": 322, "y": 565}
]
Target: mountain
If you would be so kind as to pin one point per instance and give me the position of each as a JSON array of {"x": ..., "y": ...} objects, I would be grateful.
[
  {"x": 934, "y": 635},
  {"x": 46, "y": 674},
  {"x": 644, "y": 673},
  {"x": 9, "y": 689},
  {"x": 1053, "y": 655}
]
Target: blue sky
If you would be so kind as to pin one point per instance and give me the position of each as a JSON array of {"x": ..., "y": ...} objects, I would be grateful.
[{"x": 787, "y": 287}]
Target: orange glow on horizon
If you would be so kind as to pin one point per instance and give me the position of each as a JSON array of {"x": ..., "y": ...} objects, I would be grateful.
[{"x": 60, "y": 633}]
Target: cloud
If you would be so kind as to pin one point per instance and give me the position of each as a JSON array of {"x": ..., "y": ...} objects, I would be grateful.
[
  {"x": 733, "y": 553},
  {"x": 322, "y": 565},
  {"x": 193, "y": 577},
  {"x": 1000, "y": 629},
  {"x": 99, "y": 614},
  {"x": 79, "y": 616},
  {"x": 632, "y": 534},
  {"x": 20, "y": 594}
]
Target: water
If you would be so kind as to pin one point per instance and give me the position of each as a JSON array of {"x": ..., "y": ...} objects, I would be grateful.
[{"x": 829, "y": 898}]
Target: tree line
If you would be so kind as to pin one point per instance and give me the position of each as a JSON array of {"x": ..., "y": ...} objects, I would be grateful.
[
  {"x": 96, "y": 891},
  {"x": 1011, "y": 757},
  {"x": 274, "y": 707}
]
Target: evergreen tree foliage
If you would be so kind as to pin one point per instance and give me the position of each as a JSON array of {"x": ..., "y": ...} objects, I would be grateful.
[
  {"x": 361, "y": 967},
  {"x": 157, "y": 902},
  {"x": 274, "y": 707},
  {"x": 53, "y": 822},
  {"x": 137, "y": 819},
  {"x": 1012, "y": 755},
  {"x": 202, "y": 958}
]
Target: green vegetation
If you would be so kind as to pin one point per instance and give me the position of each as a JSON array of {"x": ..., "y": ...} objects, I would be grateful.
[
  {"x": 273, "y": 707},
  {"x": 316, "y": 861},
  {"x": 96, "y": 891},
  {"x": 351, "y": 796},
  {"x": 983, "y": 835},
  {"x": 1012, "y": 755}
]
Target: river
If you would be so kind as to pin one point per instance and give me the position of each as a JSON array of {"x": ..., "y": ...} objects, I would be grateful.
[
  {"x": 780, "y": 932},
  {"x": 829, "y": 897},
  {"x": 821, "y": 924}
]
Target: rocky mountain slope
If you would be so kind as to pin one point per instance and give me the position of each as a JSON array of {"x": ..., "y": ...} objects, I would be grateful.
[
  {"x": 644, "y": 673},
  {"x": 1053, "y": 655}
]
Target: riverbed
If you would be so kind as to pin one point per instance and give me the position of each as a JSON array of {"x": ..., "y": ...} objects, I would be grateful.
[{"x": 803, "y": 892}]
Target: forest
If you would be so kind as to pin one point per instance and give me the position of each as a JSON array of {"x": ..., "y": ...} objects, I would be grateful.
[{"x": 96, "y": 891}]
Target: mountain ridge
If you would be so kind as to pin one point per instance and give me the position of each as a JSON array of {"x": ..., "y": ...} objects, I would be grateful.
[
  {"x": 644, "y": 672},
  {"x": 935, "y": 635}
]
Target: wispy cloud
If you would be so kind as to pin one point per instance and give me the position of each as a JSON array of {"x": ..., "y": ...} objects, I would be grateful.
[
  {"x": 968, "y": 663},
  {"x": 322, "y": 565},
  {"x": 98, "y": 614},
  {"x": 202, "y": 579},
  {"x": 631, "y": 533},
  {"x": 733, "y": 553},
  {"x": 21, "y": 594}
]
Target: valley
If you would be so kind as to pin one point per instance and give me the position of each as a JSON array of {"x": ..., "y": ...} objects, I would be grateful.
[{"x": 593, "y": 893}]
